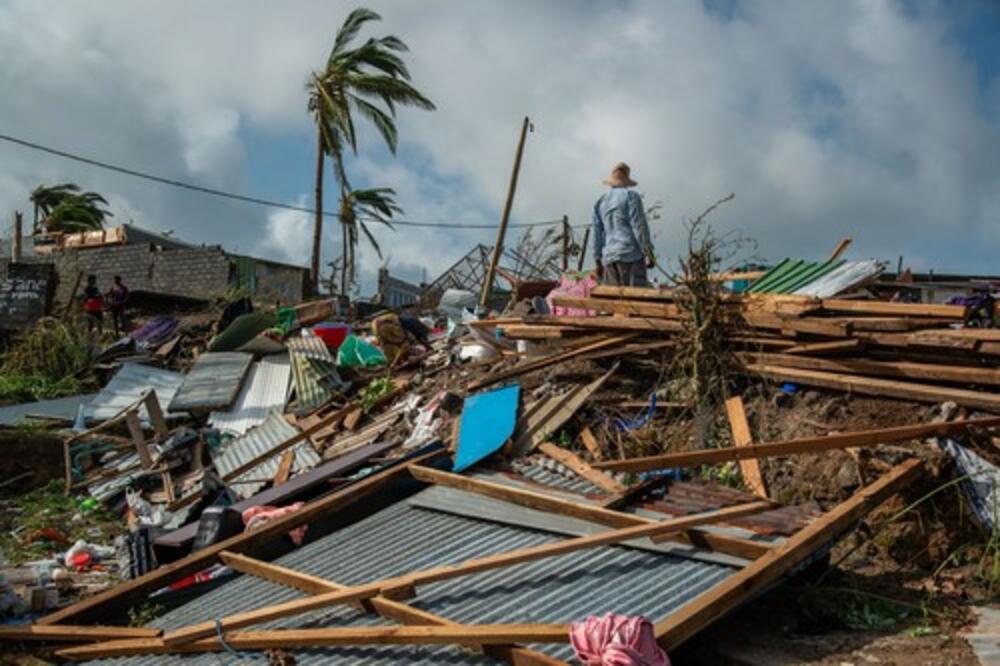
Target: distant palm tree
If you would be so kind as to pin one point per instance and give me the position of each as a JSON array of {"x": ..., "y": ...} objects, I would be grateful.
[
  {"x": 357, "y": 207},
  {"x": 65, "y": 208},
  {"x": 371, "y": 80}
]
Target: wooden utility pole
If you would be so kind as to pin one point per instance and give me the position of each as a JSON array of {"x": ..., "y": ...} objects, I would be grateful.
[
  {"x": 583, "y": 249},
  {"x": 15, "y": 245},
  {"x": 502, "y": 231},
  {"x": 565, "y": 240}
]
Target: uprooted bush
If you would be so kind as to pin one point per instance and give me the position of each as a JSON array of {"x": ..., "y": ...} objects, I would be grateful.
[{"x": 49, "y": 361}]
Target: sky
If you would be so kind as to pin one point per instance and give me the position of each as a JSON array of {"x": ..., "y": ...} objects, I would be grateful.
[{"x": 875, "y": 120}]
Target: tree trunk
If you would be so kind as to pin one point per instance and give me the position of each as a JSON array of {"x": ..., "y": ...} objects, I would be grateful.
[
  {"x": 318, "y": 224},
  {"x": 344, "y": 254}
]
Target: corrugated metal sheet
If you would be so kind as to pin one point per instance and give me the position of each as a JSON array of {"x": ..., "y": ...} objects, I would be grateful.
[
  {"x": 262, "y": 439},
  {"x": 315, "y": 372},
  {"x": 213, "y": 382},
  {"x": 265, "y": 390},
  {"x": 548, "y": 472},
  {"x": 128, "y": 385},
  {"x": 792, "y": 274},
  {"x": 402, "y": 538},
  {"x": 64, "y": 408},
  {"x": 848, "y": 276}
]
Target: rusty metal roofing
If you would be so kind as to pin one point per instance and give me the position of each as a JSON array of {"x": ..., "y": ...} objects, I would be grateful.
[
  {"x": 404, "y": 538},
  {"x": 127, "y": 386},
  {"x": 255, "y": 442},
  {"x": 213, "y": 382},
  {"x": 314, "y": 371},
  {"x": 265, "y": 390}
]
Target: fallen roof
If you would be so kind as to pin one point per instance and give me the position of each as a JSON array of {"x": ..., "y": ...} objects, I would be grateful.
[
  {"x": 213, "y": 382},
  {"x": 127, "y": 386},
  {"x": 58, "y": 408},
  {"x": 265, "y": 389}
]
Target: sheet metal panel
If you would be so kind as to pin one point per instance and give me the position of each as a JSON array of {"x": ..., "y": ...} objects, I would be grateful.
[
  {"x": 314, "y": 371},
  {"x": 64, "y": 408},
  {"x": 265, "y": 390},
  {"x": 403, "y": 538},
  {"x": 844, "y": 278},
  {"x": 257, "y": 441},
  {"x": 213, "y": 382},
  {"x": 128, "y": 385}
]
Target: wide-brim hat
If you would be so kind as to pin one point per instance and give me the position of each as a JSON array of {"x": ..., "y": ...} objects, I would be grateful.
[{"x": 620, "y": 176}]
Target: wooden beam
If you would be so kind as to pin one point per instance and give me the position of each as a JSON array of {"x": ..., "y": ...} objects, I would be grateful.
[
  {"x": 387, "y": 608},
  {"x": 802, "y": 445},
  {"x": 648, "y": 293},
  {"x": 704, "y": 609},
  {"x": 457, "y": 634},
  {"x": 614, "y": 323},
  {"x": 620, "y": 306},
  {"x": 129, "y": 592},
  {"x": 810, "y": 325},
  {"x": 490, "y": 562},
  {"x": 740, "y": 427},
  {"x": 284, "y": 468},
  {"x": 581, "y": 468},
  {"x": 839, "y": 250},
  {"x": 138, "y": 438},
  {"x": 879, "y": 387},
  {"x": 591, "y": 443},
  {"x": 545, "y": 362},
  {"x": 593, "y": 513},
  {"x": 835, "y": 347},
  {"x": 887, "y": 308},
  {"x": 24, "y": 633},
  {"x": 898, "y": 369}
]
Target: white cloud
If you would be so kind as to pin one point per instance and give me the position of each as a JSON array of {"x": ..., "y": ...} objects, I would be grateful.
[{"x": 827, "y": 119}]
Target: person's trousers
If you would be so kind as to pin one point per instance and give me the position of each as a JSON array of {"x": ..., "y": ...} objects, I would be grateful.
[{"x": 626, "y": 274}]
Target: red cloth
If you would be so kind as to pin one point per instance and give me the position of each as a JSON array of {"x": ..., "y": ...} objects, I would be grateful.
[
  {"x": 93, "y": 304},
  {"x": 257, "y": 516},
  {"x": 616, "y": 640}
]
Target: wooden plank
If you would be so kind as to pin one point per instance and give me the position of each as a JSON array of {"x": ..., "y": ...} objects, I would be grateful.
[
  {"x": 456, "y": 634},
  {"x": 591, "y": 443},
  {"x": 284, "y": 468},
  {"x": 699, "y": 613},
  {"x": 138, "y": 438},
  {"x": 581, "y": 468},
  {"x": 128, "y": 592},
  {"x": 740, "y": 426},
  {"x": 802, "y": 445},
  {"x": 880, "y": 387},
  {"x": 545, "y": 362},
  {"x": 631, "y": 308},
  {"x": 551, "y": 415},
  {"x": 834, "y": 347},
  {"x": 887, "y": 308},
  {"x": 839, "y": 250},
  {"x": 615, "y": 323},
  {"x": 490, "y": 562},
  {"x": 899, "y": 369},
  {"x": 24, "y": 633},
  {"x": 648, "y": 293},
  {"x": 387, "y": 608},
  {"x": 810, "y": 325},
  {"x": 537, "y": 332},
  {"x": 155, "y": 412},
  {"x": 593, "y": 513}
]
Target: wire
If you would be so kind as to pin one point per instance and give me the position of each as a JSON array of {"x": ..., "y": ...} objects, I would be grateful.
[{"x": 250, "y": 199}]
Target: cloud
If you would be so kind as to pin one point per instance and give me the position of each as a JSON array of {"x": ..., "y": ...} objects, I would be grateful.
[{"x": 857, "y": 118}]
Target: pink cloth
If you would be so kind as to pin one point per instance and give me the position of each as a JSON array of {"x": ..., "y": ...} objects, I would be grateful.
[
  {"x": 571, "y": 286},
  {"x": 257, "y": 516},
  {"x": 616, "y": 640}
]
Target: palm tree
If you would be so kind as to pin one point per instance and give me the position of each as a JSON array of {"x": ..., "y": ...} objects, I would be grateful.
[
  {"x": 64, "y": 208},
  {"x": 357, "y": 207},
  {"x": 371, "y": 80}
]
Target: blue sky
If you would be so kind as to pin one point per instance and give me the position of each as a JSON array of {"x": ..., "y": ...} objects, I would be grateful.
[{"x": 870, "y": 119}]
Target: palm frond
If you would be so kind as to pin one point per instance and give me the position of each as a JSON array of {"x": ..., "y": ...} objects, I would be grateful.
[
  {"x": 352, "y": 25},
  {"x": 390, "y": 90},
  {"x": 380, "y": 119}
]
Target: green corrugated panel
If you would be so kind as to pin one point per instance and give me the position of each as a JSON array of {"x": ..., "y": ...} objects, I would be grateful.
[
  {"x": 792, "y": 274},
  {"x": 763, "y": 284}
]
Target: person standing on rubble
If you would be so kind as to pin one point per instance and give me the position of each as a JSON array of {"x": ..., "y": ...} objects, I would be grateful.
[
  {"x": 93, "y": 305},
  {"x": 117, "y": 298},
  {"x": 622, "y": 248}
]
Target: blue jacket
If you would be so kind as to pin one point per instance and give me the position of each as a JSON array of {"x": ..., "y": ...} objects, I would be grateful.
[{"x": 621, "y": 232}]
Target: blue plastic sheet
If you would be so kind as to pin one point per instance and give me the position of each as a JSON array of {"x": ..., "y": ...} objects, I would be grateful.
[{"x": 488, "y": 421}]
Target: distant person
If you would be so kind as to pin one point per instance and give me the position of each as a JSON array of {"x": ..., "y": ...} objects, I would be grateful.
[
  {"x": 622, "y": 248},
  {"x": 93, "y": 304},
  {"x": 117, "y": 299}
]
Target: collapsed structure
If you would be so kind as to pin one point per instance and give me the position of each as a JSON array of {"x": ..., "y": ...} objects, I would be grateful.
[{"x": 294, "y": 493}]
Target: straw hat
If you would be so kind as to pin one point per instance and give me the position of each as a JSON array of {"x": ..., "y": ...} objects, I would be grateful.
[{"x": 620, "y": 176}]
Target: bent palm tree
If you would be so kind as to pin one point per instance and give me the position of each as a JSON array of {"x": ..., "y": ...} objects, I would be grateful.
[
  {"x": 371, "y": 80},
  {"x": 65, "y": 208},
  {"x": 360, "y": 206}
]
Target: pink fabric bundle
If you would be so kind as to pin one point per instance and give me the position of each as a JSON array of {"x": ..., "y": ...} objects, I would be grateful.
[
  {"x": 616, "y": 640},
  {"x": 257, "y": 516},
  {"x": 571, "y": 286}
]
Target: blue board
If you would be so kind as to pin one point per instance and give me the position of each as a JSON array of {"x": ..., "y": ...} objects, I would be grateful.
[{"x": 488, "y": 421}]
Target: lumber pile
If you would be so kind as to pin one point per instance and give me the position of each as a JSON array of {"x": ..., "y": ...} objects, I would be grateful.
[{"x": 910, "y": 351}]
